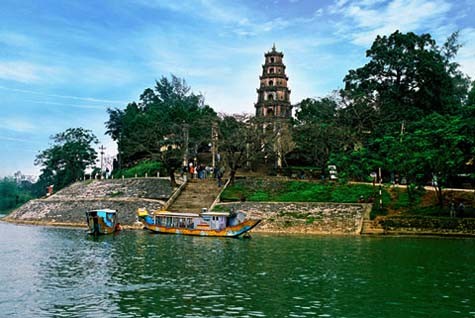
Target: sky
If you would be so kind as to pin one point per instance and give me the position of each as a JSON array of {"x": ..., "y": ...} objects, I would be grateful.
[{"x": 63, "y": 63}]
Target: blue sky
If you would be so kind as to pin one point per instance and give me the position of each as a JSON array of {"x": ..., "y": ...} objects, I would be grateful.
[{"x": 62, "y": 63}]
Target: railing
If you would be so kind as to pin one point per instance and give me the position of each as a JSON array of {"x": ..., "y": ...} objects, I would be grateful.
[{"x": 218, "y": 197}]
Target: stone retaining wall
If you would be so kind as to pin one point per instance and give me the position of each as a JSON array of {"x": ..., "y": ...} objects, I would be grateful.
[
  {"x": 151, "y": 188},
  {"x": 428, "y": 225},
  {"x": 69, "y": 205},
  {"x": 73, "y": 211},
  {"x": 311, "y": 218}
]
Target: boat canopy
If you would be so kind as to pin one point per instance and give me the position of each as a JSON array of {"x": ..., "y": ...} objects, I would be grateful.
[
  {"x": 176, "y": 214},
  {"x": 215, "y": 214},
  {"x": 102, "y": 210}
]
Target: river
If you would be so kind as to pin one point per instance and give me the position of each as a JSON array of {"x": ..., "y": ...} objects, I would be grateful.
[{"x": 61, "y": 272}]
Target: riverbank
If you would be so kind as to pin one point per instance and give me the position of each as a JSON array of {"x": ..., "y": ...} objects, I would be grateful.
[{"x": 67, "y": 207}]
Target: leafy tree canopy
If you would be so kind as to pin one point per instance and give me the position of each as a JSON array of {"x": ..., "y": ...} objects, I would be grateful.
[
  {"x": 407, "y": 77},
  {"x": 65, "y": 161},
  {"x": 167, "y": 122}
]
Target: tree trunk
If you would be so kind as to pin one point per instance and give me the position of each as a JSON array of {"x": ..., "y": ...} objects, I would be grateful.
[
  {"x": 439, "y": 194},
  {"x": 232, "y": 175},
  {"x": 171, "y": 174}
]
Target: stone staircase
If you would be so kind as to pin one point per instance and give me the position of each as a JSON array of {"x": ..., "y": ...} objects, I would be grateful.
[
  {"x": 196, "y": 194},
  {"x": 372, "y": 227}
]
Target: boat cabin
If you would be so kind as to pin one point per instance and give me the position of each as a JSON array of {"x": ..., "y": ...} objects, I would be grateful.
[
  {"x": 101, "y": 221},
  {"x": 205, "y": 220},
  {"x": 107, "y": 215}
]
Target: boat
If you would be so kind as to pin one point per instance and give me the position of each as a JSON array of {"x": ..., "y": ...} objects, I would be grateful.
[
  {"x": 101, "y": 222},
  {"x": 223, "y": 224}
]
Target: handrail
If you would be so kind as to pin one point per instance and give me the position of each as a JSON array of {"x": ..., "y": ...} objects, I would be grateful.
[
  {"x": 216, "y": 201},
  {"x": 174, "y": 195}
]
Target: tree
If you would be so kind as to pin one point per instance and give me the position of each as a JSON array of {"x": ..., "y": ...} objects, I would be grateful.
[
  {"x": 153, "y": 128},
  {"x": 408, "y": 77},
  {"x": 13, "y": 193},
  {"x": 243, "y": 140},
  {"x": 65, "y": 161},
  {"x": 319, "y": 132},
  {"x": 430, "y": 149}
]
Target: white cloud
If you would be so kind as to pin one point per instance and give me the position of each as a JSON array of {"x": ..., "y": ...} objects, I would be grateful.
[
  {"x": 466, "y": 55},
  {"x": 24, "y": 72},
  {"x": 14, "y": 139},
  {"x": 81, "y": 98},
  {"x": 15, "y": 39},
  {"x": 17, "y": 124},
  {"x": 370, "y": 18}
]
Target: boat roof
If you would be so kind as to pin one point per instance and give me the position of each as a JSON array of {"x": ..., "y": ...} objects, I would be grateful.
[
  {"x": 103, "y": 210},
  {"x": 216, "y": 213},
  {"x": 187, "y": 214},
  {"x": 177, "y": 214}
]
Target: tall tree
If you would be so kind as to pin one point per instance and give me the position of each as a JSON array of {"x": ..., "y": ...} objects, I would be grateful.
[
  {"x": 319, "y": 131},
  {"x": 408, "y": 77},
  {"x": 244, "y": 139},
  {"x": 153, "y": 127},
  {"x": 65, "y": 161}
]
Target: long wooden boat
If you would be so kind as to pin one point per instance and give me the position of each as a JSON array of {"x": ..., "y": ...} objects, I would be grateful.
[
  {"x": 224, "y": 224},
  {"x": 101, "y": 222}
]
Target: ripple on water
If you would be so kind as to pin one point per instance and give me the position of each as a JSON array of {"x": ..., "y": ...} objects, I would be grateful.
[{"x": 63, "y": 273}]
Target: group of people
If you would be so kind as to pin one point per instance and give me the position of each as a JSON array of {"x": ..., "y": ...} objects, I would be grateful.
[{"x": 201, "y": 171}]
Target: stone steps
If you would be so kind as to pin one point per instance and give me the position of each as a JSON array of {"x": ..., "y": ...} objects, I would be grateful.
[{"x": 196, "y": 195}]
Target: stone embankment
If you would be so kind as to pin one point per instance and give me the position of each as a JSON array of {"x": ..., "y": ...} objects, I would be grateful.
[
  {"x": 68, "y": 206},
  {"x": 407, "y": 225},
  {"x": 305, "y": 218}
]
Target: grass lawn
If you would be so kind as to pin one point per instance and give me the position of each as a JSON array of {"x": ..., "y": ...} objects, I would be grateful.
[{"x": 395, "y": 200}]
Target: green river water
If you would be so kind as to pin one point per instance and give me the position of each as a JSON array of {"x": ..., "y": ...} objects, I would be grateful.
[{"x": 57, "y": 272}]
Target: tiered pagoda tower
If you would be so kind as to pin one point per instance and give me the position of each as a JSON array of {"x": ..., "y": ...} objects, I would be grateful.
[{"x": 273, "y": 95}]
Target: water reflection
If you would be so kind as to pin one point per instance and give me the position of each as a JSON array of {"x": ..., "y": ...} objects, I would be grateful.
[{"x": 63, "y": 272}]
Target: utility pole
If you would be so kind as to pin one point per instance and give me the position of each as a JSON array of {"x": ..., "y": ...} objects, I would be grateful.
[
  {"x": 214, "y": 143},
  {"x": 380, "y": 189},
  {"x": 185, "y": 140},
  {"x": 102, "y": 148},
  {"x": 403, "y": 129}
]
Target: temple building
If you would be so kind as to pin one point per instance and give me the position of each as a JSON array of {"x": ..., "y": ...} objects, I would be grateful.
[{"x": 273, "y": 99}]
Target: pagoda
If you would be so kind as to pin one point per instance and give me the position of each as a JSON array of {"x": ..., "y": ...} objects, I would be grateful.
[{"x": 273, "y": 95}]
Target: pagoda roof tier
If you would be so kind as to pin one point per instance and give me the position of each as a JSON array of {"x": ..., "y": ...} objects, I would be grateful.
[
  {"x": 272, "y": 89},
  {"x": 273, "y": 103},
  {"x": 274, "y": 64},
  {"x": 274, "y": 53},
  {"x": 274, "y": 75}
]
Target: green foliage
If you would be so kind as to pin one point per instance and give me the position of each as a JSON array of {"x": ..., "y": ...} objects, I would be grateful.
[
  {"x": 317, "y": 132},
  {"x": 243, "y": 141},
  {"x": 167, "y": 124},
  {"x": 12, "y": 194},
  {"x": 149, "y": 168},
  {"x": 299, "y": 191},
  {"x": 65, "y": 161},
  {"x": 408, "y": 77}
]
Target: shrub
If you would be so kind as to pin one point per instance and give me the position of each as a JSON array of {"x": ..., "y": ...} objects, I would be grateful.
[{"x": 150, "y": 168}]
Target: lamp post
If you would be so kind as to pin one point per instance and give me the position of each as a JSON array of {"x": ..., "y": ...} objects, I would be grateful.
[{"x": 102, "y": 148}]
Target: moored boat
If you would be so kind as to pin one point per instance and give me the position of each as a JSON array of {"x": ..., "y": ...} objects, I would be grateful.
[
  {"x": 101, "y": 222},
  {"x": 224, "y": 224}
]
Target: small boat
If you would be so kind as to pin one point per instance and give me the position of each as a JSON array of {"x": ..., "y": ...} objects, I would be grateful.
[
  {"x": 224, "y": 224},
  {"x": 102, "y": 221}
]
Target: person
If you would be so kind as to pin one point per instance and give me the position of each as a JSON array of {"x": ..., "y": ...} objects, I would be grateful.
[
  {"x": 219, "y": 175},
  {"x": 460, "y": 209},
  {"x": 118, "y": 227},
  {"x": 452, "y": 209}
]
